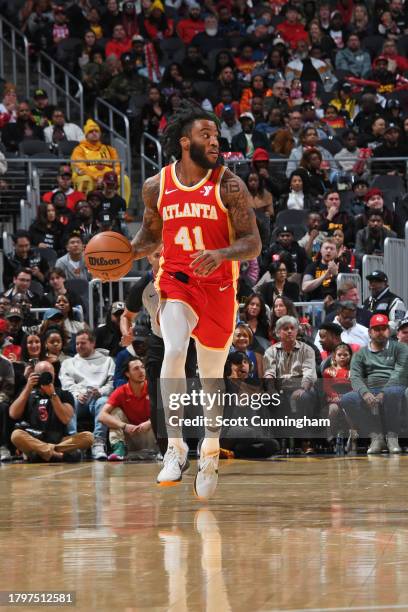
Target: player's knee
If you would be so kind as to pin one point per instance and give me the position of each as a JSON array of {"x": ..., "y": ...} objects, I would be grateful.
[{"x": 175, "y": 356}]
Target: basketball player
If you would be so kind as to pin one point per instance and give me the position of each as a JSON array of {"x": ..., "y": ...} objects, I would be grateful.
[{"x": 201, "y": 212}]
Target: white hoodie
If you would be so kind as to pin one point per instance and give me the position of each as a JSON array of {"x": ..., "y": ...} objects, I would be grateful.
[{"x": 77, "y": 373}]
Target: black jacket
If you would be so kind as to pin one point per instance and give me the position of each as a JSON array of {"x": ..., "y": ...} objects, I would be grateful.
[{"x": 290, "y": 290}]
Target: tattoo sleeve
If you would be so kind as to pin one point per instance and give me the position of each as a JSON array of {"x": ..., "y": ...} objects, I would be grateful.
[
  {"x": 235, "y": 197},
  {"x": 149, "y": 235}
]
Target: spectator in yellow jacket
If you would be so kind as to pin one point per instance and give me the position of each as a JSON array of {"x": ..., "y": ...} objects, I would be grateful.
[{"x": 102, "y": 158}]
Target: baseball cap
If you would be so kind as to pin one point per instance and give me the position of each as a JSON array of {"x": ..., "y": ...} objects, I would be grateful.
[
  {"x": 4, "y": 326},
  {"x": 402, "y": 323},
  {"x": 50, "y": 313},
  {"x": 248, "y": 115},
  {"x": 393, "y": 126},
  {"x": 372, "y": 192},
  {"x": 117, "y": 307},
  {"x": 260, "y": 155},
  {"x": 284, "y": 229},
  {"x": 228, "y": 110},
  {"x": 110, "y": 177},
  {"x": 14, "y": 313},
  {"x": 378, "y": 319},
  {"x": 40, "y": 93},
  {"x": 378, "y": 275},
  {"x": 345, "y": 86},
  {"x": 138, "y": 38},
  {"x": 393, "y": 104}
]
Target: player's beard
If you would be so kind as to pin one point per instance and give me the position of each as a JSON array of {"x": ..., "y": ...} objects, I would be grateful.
[{"x": 197, "y": 154}]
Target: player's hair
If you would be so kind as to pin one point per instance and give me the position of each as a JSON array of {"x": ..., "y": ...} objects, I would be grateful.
[{"x": 180, "y": 125}]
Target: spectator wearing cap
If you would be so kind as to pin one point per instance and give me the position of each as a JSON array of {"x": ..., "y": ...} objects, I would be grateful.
[
  {"x": 392, "y": 147},
  {"x": 402, "y": 331},
  {"x": 156, "y": 25},
  {"x": 119, "y": 43},
  {"x": 370, "y": 240},
  {"x": 286, "y": 246},
  {"x": 382, "y": 300},
  {"x": 247, "y": 141},
  {"x": 24, "y": 256},
  {"x": 15, "y": 331},
  {"x": 320, "y": 277},
  {"x": 308, "y": 139},
  {"x": 378, "y": 377},
  {"x": 6, "y": 397},
  {"x": 394, "y": 112},
  {"x": 192, "y": 25},
  {"x": 292, "y": 29},
  {"x": 112, "y": 203},
  {"x": 108, "y": 335},
  {"x": 327, "y": 340},
  {"x": 73, "y": 263},
  {"x": 24, "y": 128},
  {"x": 61, "y": 130},
  {"x": 353, "y": 59},
  {"x": 374, "y": 200},
  {"x": 64, "y": 184},
  {"x": 101, "y": 158},
  {"x": 41, "y": 112},
  {"x": 230, "y": 126}
]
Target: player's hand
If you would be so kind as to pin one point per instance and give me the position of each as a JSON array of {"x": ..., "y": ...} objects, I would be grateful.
[{"x": 205, "y": 262}]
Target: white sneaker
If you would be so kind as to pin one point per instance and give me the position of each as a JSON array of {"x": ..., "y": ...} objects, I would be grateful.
[
  {"x": 98, "y": 450},
  {"x": 175, "y": 462},
  {"x": 5, "y": 454},
  {"x": 377, "y": 444},
  {"x": 392, "y": 443},
  {"x": 206, "y": 479}
]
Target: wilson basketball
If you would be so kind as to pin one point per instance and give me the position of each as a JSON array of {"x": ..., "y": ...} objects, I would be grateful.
[{"x": 108, "y": 256}]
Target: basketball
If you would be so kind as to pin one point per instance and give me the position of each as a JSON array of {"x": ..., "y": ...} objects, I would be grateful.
[{"x": 108, "y": 256}]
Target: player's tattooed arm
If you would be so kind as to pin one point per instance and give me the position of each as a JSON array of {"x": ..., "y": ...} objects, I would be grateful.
[
  {"x": 149, "y": 236},
  {"x": 247, "y": 243},
  {"x": 236, "y": 198}
]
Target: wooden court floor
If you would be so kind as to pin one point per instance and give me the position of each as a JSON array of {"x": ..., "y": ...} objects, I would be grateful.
[{"x": 288, "y": 534}]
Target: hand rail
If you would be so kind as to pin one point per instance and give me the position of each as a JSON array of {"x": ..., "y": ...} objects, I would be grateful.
[
  {"x": 70, "y": 100},
  {"x": 16, "y": 54},
  {"x": 114, "y": 115},
  {"x": 144, "y": 158},
  {"x": 95, "y": 282}
]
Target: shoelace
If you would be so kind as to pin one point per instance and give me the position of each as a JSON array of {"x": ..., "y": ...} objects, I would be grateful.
[{"x": 171, "y": 456}]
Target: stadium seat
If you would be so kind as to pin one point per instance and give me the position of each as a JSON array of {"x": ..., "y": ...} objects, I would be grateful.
[
  {"x": 49, "y": 255},
  {"x": 331, "y": 144},
  {"x": 65, "y": 147},
  {"x": 28, "y": 148},
  {"x": 391, "y": 186},
  {"x": 37, "y": 288}
]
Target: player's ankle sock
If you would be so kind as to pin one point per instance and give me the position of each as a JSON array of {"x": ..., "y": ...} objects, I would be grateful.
[
  {"x": 210, "y": 446},
  {"x": 178, "y": 443}
]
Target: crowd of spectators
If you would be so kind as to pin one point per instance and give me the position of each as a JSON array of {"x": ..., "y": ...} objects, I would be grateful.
[{"x": 313, "y": 114}]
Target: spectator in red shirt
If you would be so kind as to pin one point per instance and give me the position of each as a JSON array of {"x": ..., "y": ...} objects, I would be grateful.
[
  {"x": 188, "y": 28},
  {"x": 64, "y": 182},
  {"x": 291, "y": 29},
  {"x": 119, "y": 43},
  {"x": 127, "y": 413}
]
